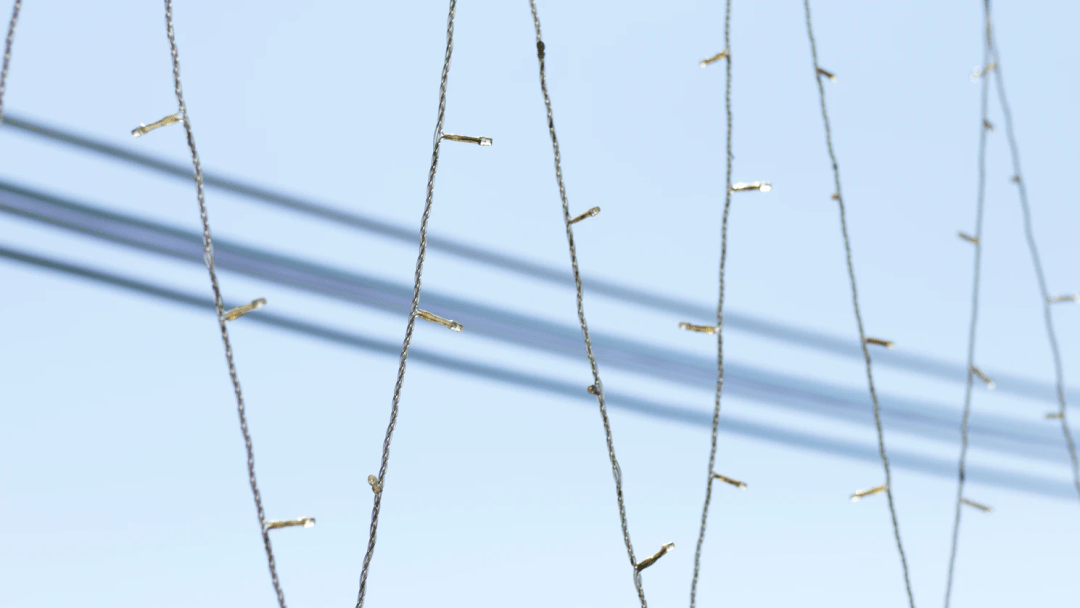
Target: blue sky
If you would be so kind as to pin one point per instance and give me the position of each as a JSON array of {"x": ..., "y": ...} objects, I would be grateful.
[{"x": 126, "y": 482}]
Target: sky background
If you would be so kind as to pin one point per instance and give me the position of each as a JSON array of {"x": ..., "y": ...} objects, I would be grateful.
[{"x": 125, "y": 481}]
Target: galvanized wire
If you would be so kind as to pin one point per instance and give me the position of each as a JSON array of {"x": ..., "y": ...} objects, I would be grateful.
[
  {"x": 7, "y": 53},
  {"x": 855, "y": 301},
  {"x": 415, "y": 306},
  {"x": 598, "y": 386},
  {"x": 719, "y": 316},
  {"x": 208, "y": 254},
  {"x": 974, "y": 311}
]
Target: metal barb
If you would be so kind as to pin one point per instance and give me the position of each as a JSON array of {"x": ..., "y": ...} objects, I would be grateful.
[
  {"x": 968, "y": 237},
  {"x": 304, "y": 522},
  {"x": 374, "y": 483},
  {"x": 705, "y": 329},
  {"x": 447, "y": 323},
  {"x": 648, "y": 561},
  {"x": 989, "y": 126},
  {"x": 717, "y": 57},
  {"x": 590, "y": 213},
  {"x": 164, "y": 122},
  {"x": 1072, "y": 297},
  {"x": 1054, "y": 416},
  {"x": 976, "y": 505},
  {"x": 979, "y": 72},
  {"x": 864, "y": 493},
  {"x": 735, "y": 482},
  {"x": 827, "y": 74},
  {"x": 978, "y": 372},
  {"x": 889, "y": 344},
  {"x": 483, "y": 141},
  {"x": 239, "y": 311}
]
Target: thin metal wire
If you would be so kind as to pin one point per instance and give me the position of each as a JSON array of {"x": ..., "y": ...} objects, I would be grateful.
[
  {"x": 1014, "y": 149},
  {"x": 7, "y": 53},
  {"x": 719, "y": 316},
  {"x": 980, "y": 198},
  {"x": 599, "y": 386},
  {"x": 413, "y": 311},
  {"x": 855, "y": 301},
  {"x": 208, "y": 253}
]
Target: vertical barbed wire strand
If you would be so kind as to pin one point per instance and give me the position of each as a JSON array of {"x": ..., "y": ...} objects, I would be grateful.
[
  {"x": 719, "y": 317},
  {"x": 413, "y": 311},
  {"x": 599, "y": 386},
  {"x": 1029, "y": 233},
  {"x": 7, "y": 54},
  {"x": 208, "y": 252},
  {"x": 979, "y": 205},
  {"x": 855, "y": 302}
]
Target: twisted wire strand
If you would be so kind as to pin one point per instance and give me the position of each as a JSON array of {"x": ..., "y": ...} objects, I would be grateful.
[
  {"x": 208, "y": 252},
  {"x": 412, "y": 313},
  {"x": 719, "y": 317},
  {"x": 1029, "y": 234},
  {"x": 599, "y": 386},
  {"x": 855, "y": 302},
  {"x": 7, "y": 53},
  {"x": 980, "y": 198}
]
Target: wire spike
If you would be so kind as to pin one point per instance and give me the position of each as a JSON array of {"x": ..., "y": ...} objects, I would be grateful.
[
  {"x": 889, "y": 344},
  {"x": 743, "y": 186},
  {"x": 857, "y": 496},
  {"x": 648, "y": 561},
  {"x": 738, "y": 484},
  {"x": 705, "y": 329},
  {"x": 826, "y": 74},
  {"x": 434, "y": 318},
  {"x": 374, "y": 483},
  {"x": 835, "y": 196},
  {"x": 968, "y": 237},
  {"x": 590, "y": 213},
  {"x": 143, "y": 129},
  {"x": 1072, "y": 297},
  {"x": 1054, "y": 415},
  {"x": 717, "y": 57},
  {"x": 483, "y": 141},
  {"x": 979, "y": 72},
  {"x": 990, "y": 384},
  {"x": 305, "y": 522},
  {"x": 989, "y": 126},
  {"x": 239, "y": 311},
  {"x": 976, "y": 505}
]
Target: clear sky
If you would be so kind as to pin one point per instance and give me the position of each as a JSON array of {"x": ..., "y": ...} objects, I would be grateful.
[{"x": 124, "y": 480}]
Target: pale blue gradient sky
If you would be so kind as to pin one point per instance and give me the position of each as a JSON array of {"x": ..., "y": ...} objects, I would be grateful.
[{"x": 124, "y": 481}]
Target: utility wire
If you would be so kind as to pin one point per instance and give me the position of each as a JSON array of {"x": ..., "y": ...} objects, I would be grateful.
[
  {"x": 1027, "y": 438},
  {"x": 719, "y": 315},
  {"x": 834, "y": 446},
  {"x": 1007, "y": 383},
  {"x": 980, "y": 198},
  {"x": 381, "y": 486},
  {"x": 7, "y": 53},
  {"x": 598, "y": 386},
  {"x": 855, "y": 302},
  {"x": 1029, "y": 233},
  {"x": 208, "y": 252}
]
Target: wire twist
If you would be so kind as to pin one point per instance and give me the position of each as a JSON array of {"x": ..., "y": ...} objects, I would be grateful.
[
  {"x": 974, "y": 314},
  {"x": 855, "y": 301},
  {"x": 599, "y": 386},
  {"x": 719, "y": 316},
  {"x": 412, "y": 313},
  {"x": 7, "y": 53},
  {"x": 208, "y": 253}
]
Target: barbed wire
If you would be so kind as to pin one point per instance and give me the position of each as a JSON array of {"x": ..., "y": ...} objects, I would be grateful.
[
  {"x": 208, "y": 253},
  {"x": 7, "y": 54},
  {"x": 977, "y": 243},
  {"x": 378, "y": 484},
  {"x": 598, "y": 387},
  {"x": 711, "y": 475},
  {"x": 839, "y": 197}
]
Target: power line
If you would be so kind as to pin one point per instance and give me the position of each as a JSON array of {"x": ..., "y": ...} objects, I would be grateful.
[
  {"x": 980, "y": 199},
  {"x": 598, "y": 387},
  {"x": 667, "y": 412},
  {"x": 655, "y": 301},
  {"x": 818, "y": 73},
  {"x": 711, "y": 472},
  {"x": 933, "y": 421}
]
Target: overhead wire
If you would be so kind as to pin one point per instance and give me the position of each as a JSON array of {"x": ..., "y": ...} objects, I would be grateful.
[
  {"x": 597, "y": 388},
  {"x": 710, "y": 476},
  {"x": 855, "y": 302}
]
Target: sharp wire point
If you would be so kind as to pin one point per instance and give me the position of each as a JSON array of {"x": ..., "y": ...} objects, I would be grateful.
[
  {"x": 827, "y": 74},
  {"x": 164, "y": 122},
  {"x": 1072, "y": 297},
  {"x": 648, "y": 561},
  {"x": 705, "y": 329},
  {"x": 735, "y": 482},
  {"x": 434, "y": 318},
  {"x": 972, "y": 503},
  {"x": 235, "y": 313},
  {"x": 744, "y": 186},
  {"x": 717, "y": 57},
  {"x": 859, "y": 495},
  {"x": 483, "y": 141},
  {"x": 889, "y": 344},
  {"x": 968, "y": 237},
  {"x": 590, "y": 213},
  {"x": 303, "y": 522},
  {"x": 990, "y": 384}
]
